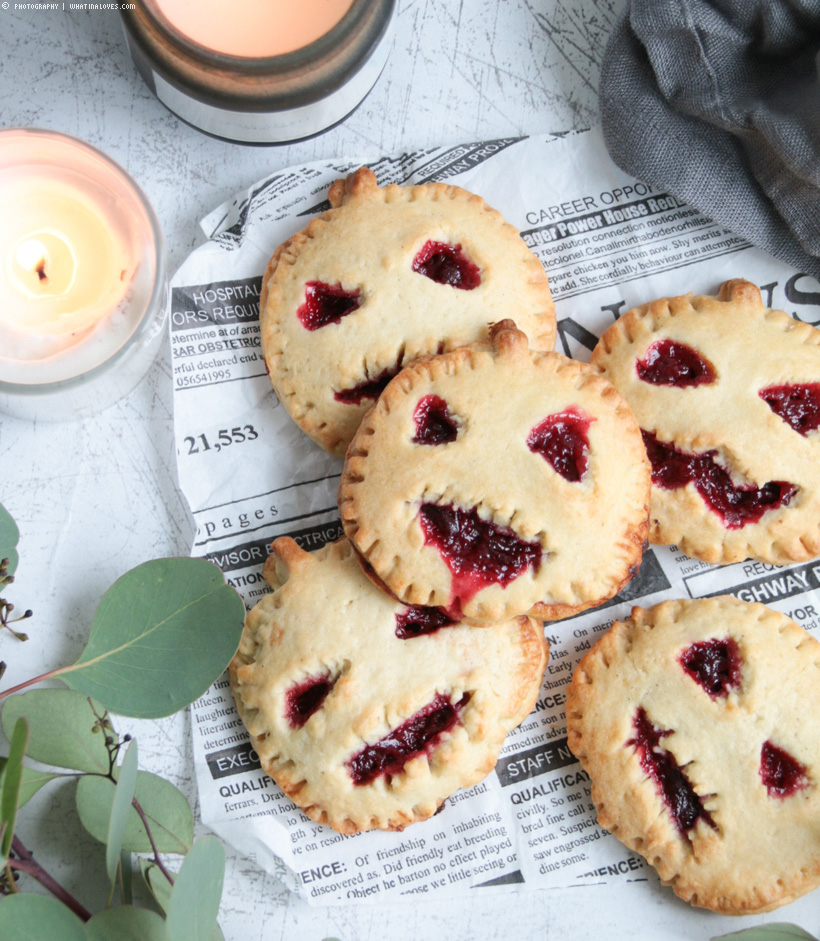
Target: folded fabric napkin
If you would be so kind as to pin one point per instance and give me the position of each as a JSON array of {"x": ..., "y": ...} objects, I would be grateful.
[{"x": 718, "y": 103}]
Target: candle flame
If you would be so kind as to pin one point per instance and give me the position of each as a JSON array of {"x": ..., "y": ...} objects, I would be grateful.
[{"x": 33, "y": 256}]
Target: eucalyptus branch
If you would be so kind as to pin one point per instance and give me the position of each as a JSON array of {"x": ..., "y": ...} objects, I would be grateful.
[
  {"x": 113, "y": 744},
  {"x": 24, "y": 861},
  {"x": 136, "y": 805},
  {"x": 6, "y": 607},
  {"x": 192, "y": 609},
  {"x": 112, "y": 740},
  {"x": 5, "y": 610}
]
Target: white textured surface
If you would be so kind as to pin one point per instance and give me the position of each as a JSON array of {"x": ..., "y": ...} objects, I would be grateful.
[{"x": 93, "y": 499}]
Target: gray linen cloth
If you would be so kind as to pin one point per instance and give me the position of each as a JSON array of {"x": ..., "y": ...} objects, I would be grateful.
[{"x": 718, "y": 103}]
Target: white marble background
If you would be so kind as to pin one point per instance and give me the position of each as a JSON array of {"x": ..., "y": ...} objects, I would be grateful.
[{"x": 95, "y": 498}]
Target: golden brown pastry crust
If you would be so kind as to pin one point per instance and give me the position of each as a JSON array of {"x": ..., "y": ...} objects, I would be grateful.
[
  {"x": 367, "y": 241},
  {"x": 763, "y": 851},
  {"x": 325, "y": 618},
  {"x": 591, "y": 532},
  {"x": 751, "y": 348}
]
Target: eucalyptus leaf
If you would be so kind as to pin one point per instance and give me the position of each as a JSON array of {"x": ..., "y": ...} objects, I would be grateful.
[
  {"x": 160, "y": 637},
  {"x": 9, "y": 537},
  {"x": 60, "y": 728},
  {"x": 12, "y": 778},
  {"x": 158, "y": 885},
  {"x": 160, "y": 889},
  {"x": 120, "y": 807},
  {"x": 166, "y": 808},
  {"x": 197, "y": 890},
  {"x": 30, "y": 783},
  {"x": 126, "y": 923},
  {"x": 30, "y": 917},
  {"x": 777, "y": 931}
]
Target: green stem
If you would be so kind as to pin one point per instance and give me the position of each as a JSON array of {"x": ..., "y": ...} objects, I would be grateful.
[
  {"x": 111, "y": 894},
  {"x": 32, "y": 681},
  {"x": 24, "y": 861},
  {"x": 12, "y": 882}
]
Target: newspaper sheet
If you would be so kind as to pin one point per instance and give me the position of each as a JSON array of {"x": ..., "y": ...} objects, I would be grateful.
[{"x": 608, "y": 243}]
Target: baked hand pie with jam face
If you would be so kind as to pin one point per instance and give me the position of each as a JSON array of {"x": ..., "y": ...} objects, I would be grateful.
[
  {"x": 727, "y": 394},
  {"x": 366, "y": 712},
  {"x": 386, "y": 275},
  {"x": 497, "y": 480},
  {"x": 696, "y": 721}
]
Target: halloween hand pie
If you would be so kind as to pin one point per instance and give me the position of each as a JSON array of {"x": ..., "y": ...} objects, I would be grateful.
[
  {"x": 727, "y": 394},
  {"x": 696, "y": 721},
  {"x": 384, "y": 276},
  {"x": 497, "y": 480},
  {"x": 368, "y": 713}
]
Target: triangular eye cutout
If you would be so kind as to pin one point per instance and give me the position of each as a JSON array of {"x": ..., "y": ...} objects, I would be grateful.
[
  {"x": 434, "y": 423},
  {"x": 798, "y": 404},
  {"x": 669, "y": 363},
  {"x": 326, "y": 303},
  {"x": 714, "y": 665},
  {"x": 307, "y": 697},
  {"x": 562, "y": 440},
  {"x": 447, "y": 264},
  {"x": 781, "y": 774}
]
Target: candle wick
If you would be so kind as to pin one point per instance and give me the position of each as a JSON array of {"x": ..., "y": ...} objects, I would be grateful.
[{"x": 40, "y": 268}]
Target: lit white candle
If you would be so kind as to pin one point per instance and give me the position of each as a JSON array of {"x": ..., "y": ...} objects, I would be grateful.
[{"x": 81, "y": 270}]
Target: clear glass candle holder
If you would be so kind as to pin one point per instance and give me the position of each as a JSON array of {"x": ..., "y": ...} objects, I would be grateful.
[{"x": 83, "y": 278}]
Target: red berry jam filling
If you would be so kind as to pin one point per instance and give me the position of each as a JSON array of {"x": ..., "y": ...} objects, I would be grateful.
[
  {"x": 781, "y": 774},
  {"x": 715, "y": 664},
  {"x": 305, "y": 698},
  {"x": 420, "y": 733},
  {"x": 736, "y": 506},
  {"x": 417, "y": 619},
  {"x": 369, "y": 389},
  {"x": 797, "y": 405},
  {"x": 683, "y": 803},
  {"x": 668, "y": 363},
  {"x": 326, "y": 303},
  {"x": 447, "y": 264},
  {"x": 477, "y": 552},
  {"x": 562, "y": 440},
  {"x": 434, "y": 423}
]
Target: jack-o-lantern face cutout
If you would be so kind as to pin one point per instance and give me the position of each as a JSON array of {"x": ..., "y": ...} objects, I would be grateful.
[
  {"x": 494, "y": 481},
  {"x": 387, "y": 275},
  {"x": 727, "y": 394},
  {"x": 366, "y": 712},
  {"x": 695, "y": 722}
]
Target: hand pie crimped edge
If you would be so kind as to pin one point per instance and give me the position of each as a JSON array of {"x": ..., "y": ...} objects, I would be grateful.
[
  {"x": 628, "y": 809},
  {"x": 505, "y": 339},
  {"x": 455, "y": 770},
  {"x": 362, "y": 184},
  {"x": 680, "y": 517}
]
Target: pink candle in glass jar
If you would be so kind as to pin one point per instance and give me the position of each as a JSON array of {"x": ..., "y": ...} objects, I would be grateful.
[
  {"x": 253, "y": 28},
  {"x": 260, "y": 71}
]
